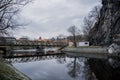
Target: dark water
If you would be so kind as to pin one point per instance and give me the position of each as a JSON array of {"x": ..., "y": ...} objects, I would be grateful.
[{"x": 54, "y": 68}]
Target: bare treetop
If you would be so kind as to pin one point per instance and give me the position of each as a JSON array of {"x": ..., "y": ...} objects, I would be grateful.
[
  {"x": 8, "y": 13},
  {"x": 74, "y": 30},
  {"x": 91, "y": 19}
]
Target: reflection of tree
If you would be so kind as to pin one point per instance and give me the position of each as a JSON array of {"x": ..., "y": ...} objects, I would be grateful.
[
  {"x": 88, "y": 74},
  {"x": 74, "y": 68},
  {"x": 79, "y": 69},
  {"x": 61, "y": 59}
]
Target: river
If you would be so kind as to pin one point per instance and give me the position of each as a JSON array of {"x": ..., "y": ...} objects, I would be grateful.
[{"x": 59, "y": 67}]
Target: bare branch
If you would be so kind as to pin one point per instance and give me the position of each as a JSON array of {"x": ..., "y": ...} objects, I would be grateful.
[
  {"x": 8, "y": 12},
  {"x": 74, "y": 31},
  {"x": 91, "y": 19}
]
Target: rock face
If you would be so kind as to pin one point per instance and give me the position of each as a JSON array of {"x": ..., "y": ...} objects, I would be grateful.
[
  {"x": 104, "y": 33},
  {"x": 114, "y": 49},
  {"x": 108, "y": 23}
]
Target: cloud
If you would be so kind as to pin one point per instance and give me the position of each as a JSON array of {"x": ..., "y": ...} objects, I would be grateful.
[{"x": 49, "y": 18}]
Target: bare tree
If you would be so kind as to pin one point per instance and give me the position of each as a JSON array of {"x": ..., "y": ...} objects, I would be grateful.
[
  {"x": 88, "y": 24},
  {"x": 8, "y": 13},
  {"x": 91, "y": 19},
  {"x": 95, "y": 13},
  {"x": 74, "y": 31}
]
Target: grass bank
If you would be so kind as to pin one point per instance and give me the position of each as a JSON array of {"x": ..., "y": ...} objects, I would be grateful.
[{"x": 8, "y": 72}]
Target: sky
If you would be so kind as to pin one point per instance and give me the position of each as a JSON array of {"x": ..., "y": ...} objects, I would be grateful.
[{"x": 50, "y": 18}]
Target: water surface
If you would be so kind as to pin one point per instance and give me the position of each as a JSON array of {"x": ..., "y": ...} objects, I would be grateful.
[{"x": 54, "y": 68}]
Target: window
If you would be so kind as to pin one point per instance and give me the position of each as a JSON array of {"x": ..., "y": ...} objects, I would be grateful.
[{"x": 86, "y": 43}]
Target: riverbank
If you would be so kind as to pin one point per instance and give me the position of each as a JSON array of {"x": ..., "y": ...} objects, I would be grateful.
[
  {"x": 8, "y": 72},
  {"x": 90, "y": 52}
]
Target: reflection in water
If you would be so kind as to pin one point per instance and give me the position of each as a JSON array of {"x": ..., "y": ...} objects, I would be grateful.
[
  {"x": 74, "y": 68},
  {"x": 35, "y": 58},
  {"x": 56, "y": 67},
  {"x": 61, "y": 60},
  {"x": 79, "y": 68}
]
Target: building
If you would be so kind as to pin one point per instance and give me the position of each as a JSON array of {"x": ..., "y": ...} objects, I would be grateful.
[
  {"x": 84, "y": 43},
  {"x": 7, "y": 40},
  {"x": 23, "y": 39},
  {"x": 70, "y": 44}
]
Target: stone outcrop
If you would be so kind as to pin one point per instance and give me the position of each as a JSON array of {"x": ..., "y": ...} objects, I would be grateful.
[
  {"x": 104, "y": 33},
  {"x": 114, "y": 49},
  {"x": 108, "y": 24}
]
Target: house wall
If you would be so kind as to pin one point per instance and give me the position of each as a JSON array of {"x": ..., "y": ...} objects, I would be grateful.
[
  {"x": 70, "y": 44},
  {"x": 83, "y": 44}
]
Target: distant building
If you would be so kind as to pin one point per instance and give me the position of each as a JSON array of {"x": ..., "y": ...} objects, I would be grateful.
[
  {"x": 47, "y": 40},
  {"x": 7, "y": 40},
  {"x": 84, "y": 43},
  {"x": 23, "y": 39},
  {"x": 70, "y": 44},
  {"x": 40, "y": 38}
]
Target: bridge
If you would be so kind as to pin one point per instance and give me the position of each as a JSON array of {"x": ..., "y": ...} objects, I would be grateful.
[
  {"x": 10, "y": 43},
  {"x": 34, "y": 44},
  {"x": 9, "y": 47}
]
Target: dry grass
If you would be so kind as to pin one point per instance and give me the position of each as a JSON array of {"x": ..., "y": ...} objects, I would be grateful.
[{"x": 6, "y": 73}]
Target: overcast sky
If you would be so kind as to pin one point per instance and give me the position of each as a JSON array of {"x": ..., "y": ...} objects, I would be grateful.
[{"x": 49, "y": 18}]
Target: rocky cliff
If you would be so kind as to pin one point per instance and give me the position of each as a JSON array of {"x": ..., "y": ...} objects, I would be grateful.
[
  {"x": 105, "y": 32},
  {"x": 108, "y": 24}
]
